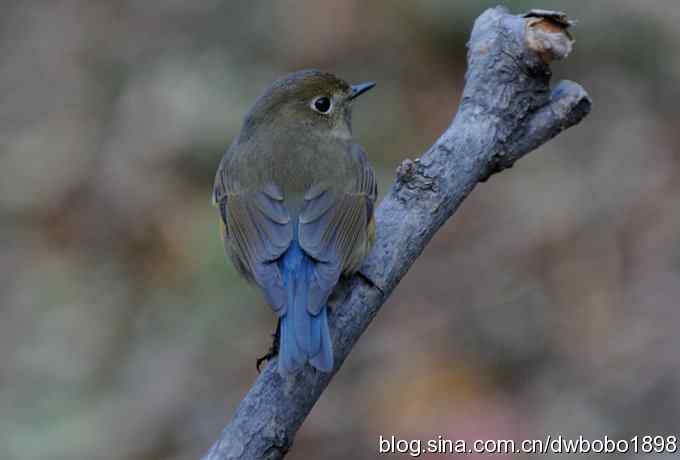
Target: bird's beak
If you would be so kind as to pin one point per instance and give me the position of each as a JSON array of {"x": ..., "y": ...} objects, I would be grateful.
[{"x": 360, "y": 89}]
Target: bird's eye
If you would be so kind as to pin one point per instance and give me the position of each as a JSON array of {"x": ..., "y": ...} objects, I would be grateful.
[{"x": 322, "y": 104}]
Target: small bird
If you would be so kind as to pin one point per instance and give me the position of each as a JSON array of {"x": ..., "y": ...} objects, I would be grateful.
[{"x": 296, "y": 196}]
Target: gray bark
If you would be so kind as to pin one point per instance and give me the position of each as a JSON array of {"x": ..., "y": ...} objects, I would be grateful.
[{"x": 507, "y": 110}]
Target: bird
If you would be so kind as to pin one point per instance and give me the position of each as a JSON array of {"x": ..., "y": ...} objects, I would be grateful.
[{"x": 296, "y": 196}]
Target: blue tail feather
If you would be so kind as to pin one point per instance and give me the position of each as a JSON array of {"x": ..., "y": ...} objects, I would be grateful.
[
  {"x": 305, "y": 336},
  {"x": 324, "y": 359}
]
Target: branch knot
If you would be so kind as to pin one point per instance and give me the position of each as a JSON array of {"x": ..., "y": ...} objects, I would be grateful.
[{"x": 411, "y": 176}]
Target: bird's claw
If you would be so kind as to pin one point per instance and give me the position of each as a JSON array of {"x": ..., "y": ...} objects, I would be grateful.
[
  {"x": 272, "y": 353},
  {"x": 273, "y": 349}
]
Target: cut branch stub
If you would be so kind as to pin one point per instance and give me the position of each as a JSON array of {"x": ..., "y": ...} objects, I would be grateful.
[
  {"x": 548, "y": 35},
  {"x": 514, "y": 52}
]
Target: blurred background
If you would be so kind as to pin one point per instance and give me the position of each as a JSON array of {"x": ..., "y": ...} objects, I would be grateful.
[{"x": 548, "y": 304}]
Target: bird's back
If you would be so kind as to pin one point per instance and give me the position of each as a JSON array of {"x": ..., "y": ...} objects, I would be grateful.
[{"x": 294, "y": 165}]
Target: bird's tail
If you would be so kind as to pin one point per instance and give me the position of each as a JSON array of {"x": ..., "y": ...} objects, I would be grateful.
[{"x": 304, "y": 334}]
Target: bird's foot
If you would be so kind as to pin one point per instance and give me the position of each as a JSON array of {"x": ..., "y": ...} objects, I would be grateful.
[{"x": 273, "y": 348}]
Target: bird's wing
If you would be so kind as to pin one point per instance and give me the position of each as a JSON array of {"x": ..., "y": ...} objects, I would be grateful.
[
  {"x": 219, "y": 187},
  {"x": 334, "y": 227},
  {"x": 257, "y": 231}
]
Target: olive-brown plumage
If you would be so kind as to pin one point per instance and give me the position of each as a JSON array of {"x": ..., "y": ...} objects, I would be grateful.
[{"x": 296, "y": 196}]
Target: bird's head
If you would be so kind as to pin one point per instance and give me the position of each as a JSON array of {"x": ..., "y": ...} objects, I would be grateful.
[{"x": 308, "y": 99}]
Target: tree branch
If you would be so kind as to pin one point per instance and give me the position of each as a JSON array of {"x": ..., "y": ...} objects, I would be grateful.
[{"x": 507, "y": 110}]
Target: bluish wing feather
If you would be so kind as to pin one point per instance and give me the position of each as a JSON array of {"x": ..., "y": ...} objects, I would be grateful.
[
  {"x": 333, "y": 228},
  {"x": 260, "y": 231}
]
